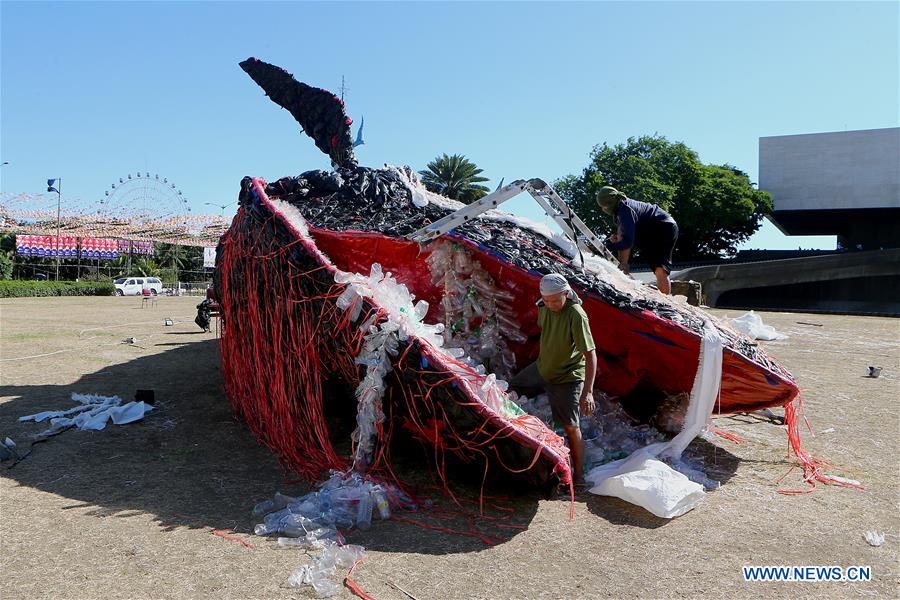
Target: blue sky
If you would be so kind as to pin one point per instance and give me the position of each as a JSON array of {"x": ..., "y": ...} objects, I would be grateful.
[{"x": 91, "y": 92}]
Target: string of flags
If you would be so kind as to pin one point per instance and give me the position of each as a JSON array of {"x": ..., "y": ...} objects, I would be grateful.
[{"x": 78, "y": 247}]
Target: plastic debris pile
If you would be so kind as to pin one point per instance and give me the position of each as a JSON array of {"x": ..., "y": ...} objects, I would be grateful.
[
  {"x": 314, "y": 522},
  {"x": 405, "y": 319},
  {"x": 477, "y": 313},
  {"x": 610, "y": 433},
  {"x": 538, "y": 406},
  {"x": 93, "y": 414}
]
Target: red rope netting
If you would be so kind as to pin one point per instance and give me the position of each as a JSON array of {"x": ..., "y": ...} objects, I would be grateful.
[
  {"x": 281, "y": 340},
  {"x": 813, "y": 467},
  {"x": 285, "y": 337}
]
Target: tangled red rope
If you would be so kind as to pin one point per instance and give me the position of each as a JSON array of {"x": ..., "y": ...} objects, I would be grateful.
[
  {"x": 813, "y": 467},
  {"x": 285, "y": 337}
]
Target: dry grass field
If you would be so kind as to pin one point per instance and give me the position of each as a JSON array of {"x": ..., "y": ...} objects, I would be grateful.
[{"x": 129, "y": 512}]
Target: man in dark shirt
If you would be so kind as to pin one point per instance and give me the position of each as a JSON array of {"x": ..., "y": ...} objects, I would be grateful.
[{"x": 644, "y": 225}]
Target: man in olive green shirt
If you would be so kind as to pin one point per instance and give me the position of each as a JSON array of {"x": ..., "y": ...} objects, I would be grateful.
[{"x": 566, "y": 365}]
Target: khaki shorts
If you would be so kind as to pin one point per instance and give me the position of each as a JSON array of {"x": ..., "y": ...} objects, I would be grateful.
[{"x": 564, "y": 397}]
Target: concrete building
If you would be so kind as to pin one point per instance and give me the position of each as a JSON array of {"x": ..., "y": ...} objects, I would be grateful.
[{"x": 843, "y": 183}]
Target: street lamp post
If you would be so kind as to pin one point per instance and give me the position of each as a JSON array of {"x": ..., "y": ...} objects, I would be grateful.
[{"x": 51, "y": 188}]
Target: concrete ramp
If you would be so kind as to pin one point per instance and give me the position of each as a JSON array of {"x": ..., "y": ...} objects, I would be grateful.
[{"x": 851, "y": 283}]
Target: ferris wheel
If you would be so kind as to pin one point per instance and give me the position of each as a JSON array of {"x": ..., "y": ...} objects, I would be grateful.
[{"x": 142, "y": 198}]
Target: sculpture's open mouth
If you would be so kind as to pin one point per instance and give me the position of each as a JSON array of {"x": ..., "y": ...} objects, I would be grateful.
[{"x": 294, "y": 319}]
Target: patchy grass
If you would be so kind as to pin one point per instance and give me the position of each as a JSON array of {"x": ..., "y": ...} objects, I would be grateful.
[{"x": 129, "y": 511}]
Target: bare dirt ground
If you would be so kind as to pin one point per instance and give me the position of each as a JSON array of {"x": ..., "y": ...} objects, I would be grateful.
[{"x": 129, "y": 511}]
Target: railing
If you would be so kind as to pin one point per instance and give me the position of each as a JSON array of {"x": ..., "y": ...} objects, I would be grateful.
[{"x": 188, "y": 288}]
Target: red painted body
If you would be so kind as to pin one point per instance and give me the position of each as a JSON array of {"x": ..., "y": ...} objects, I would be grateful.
[{"x": 633, "y": 346}]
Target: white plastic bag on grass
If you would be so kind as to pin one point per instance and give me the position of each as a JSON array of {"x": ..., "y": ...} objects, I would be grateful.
[
  {"x": 752, "y": 325},
  {"x": 649, "y": 483},
  {"x": 654, "y": 486}
]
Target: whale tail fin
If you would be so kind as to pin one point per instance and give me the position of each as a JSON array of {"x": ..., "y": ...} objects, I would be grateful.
[{"x": 320, "y": 113}]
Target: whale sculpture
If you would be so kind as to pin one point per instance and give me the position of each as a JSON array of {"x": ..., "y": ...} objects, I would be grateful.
[{"x": 328, "y": 306}]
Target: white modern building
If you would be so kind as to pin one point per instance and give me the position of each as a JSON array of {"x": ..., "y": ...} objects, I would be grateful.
[{"x": 844, "y": 183}]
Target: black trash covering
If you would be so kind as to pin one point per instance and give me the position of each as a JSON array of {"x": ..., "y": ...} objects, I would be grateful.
[
  {"x": 378, "y": 200},
  {"x": 319, "y": 112}
]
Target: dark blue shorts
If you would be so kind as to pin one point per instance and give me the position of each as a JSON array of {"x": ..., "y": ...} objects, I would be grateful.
[{"x": 657, "y": 243}]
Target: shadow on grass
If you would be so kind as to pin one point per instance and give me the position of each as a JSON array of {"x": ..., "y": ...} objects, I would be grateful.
[{"x": 191, "y": 464}]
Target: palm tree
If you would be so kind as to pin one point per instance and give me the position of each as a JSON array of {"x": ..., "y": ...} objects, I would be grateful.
[
  {"x": 455, "y": 177},
  {"x": 146, "y": 267},
  {"x": 171, "y": 258}
]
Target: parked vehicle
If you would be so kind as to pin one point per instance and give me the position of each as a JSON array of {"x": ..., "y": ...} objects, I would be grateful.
[{"x": 134, "y": 286}]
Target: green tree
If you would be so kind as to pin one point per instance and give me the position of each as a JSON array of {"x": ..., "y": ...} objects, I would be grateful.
[
  {"x": 145, "y": 267},
  {"x": 170, "y": 256},
  {"x": 716, "y": 206},
  {"x": 455, "y": 177},
  {"x": 7, "y": 255},
  {"x": 6, "y": 267}
]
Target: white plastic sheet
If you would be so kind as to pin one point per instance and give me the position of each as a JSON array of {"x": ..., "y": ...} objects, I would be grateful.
[
  {"x": 650, "y": 483},
  {"x": 93, "y": 414},
  {"x": 751, "y": 324}
]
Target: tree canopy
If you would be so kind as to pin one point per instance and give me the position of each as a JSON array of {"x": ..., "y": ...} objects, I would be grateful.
[
  {"x": 716, "y": 206},
  {"x": 455, "y": 177}
]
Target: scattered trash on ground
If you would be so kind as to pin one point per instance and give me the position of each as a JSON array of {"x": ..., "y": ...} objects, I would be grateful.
[
  {"x": 8, "y": 450},
  {"x": 752, "y": 325},
  {"x": 829, "y": 430},
  {"x": 765, "y": 412},
  {"x": 93, "y": 414},
  {"x": 808, "y": 323},
  {"x": 314, "y": 522},
  {"x": 874, "y": 538},
  {"x": 874, "y": 372}
]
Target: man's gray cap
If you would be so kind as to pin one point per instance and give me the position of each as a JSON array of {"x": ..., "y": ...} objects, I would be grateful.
[{"x": 554, "y": 283}]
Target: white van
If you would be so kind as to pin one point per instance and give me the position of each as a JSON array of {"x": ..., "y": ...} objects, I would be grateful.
[{"x": 134, "y": 286}]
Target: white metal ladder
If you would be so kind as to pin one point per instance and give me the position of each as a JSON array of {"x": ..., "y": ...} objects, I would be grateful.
[{"x": 555, "y": 207}]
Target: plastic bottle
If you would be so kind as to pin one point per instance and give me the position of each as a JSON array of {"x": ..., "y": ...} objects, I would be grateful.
[
  {"x": 281, "y": 501},
  {"x": 294, "y": 542},
  {"x": 381, "y": 503},
  {"x": 324, "y": 587},
  {"x": 345, "y": 556},
  {"x": 299, "y": 577},
  {"x": 263, "y": 529},
  {"x": 405, "y": 501},
  {"x": 263, "y": 508},
  {"x": 364, "y": 510}
]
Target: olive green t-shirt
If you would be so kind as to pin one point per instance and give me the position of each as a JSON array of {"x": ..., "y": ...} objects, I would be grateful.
[{"x": 565, "y": 337}]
